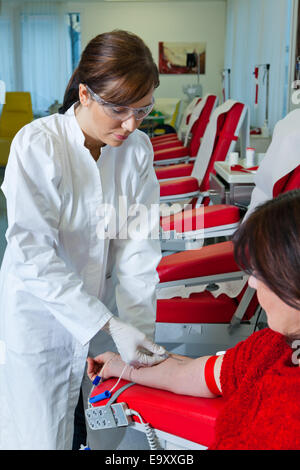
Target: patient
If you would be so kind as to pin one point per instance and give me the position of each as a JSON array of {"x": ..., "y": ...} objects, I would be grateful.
[{"x": 260, "y": 377}]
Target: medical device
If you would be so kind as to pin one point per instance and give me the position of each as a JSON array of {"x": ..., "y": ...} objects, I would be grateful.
[
  {"x": 112, "y": 414},
  {"x": 225, "y": 72},
  {"x": 191, "y": 91},
  {"x": 266, "y": 79}
]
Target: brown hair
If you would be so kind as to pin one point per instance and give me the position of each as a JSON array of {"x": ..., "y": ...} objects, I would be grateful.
[
  {"x": 116, "y": 65},
  {"x": 267, "y": 245}
]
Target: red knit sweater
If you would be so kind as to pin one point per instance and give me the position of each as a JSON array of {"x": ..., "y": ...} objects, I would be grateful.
[{"x": 261, "y": 386}]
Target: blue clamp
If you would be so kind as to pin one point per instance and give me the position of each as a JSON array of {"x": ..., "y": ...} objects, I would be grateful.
[
  {"x": 101, "y": 396},
  {"x": 96, "y": 380}
]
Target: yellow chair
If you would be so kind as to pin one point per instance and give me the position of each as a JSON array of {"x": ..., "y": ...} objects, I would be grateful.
[
  {"x": 175, "y": 114},
  {"x": 161, "y": 130},
  {"x": 16, "y": 112}
]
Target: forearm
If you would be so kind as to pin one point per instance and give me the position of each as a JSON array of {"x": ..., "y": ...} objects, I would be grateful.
[{"x": 177, "y": 374}]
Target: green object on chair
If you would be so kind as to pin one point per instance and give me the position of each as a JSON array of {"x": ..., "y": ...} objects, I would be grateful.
[
  {"x": 157, "y": 114},
  {"x": 16, "y": 112}
]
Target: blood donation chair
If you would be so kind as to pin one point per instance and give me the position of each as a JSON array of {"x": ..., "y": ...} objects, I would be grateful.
[
  {"x": 184, "y": 311},
  {"x": 191, "y": 228},
  {"x": 174, "y": 151},
  {"x": 172, "y": 421},
  {"x": 182, "y": 126},
  {"x": 169, "y": 421},
  {"x": 219, "y": 140},
  {"x": 180, "y": 422},
  {"x": 187, "y": 226}
]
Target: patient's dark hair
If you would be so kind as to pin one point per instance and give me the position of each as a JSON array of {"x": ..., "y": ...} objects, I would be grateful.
[
  {"x": 117, "y": 58},
  {"x": 267, "y": 245}
]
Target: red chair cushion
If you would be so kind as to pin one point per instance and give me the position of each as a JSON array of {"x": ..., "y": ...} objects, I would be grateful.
[
  {"x": 174, "y": 143},
  {"x": 161, "y": 138},
  {"x": 174, "y": 152},
  {"x": 200, "y": 125},
  {"x": 197, "y": 133},
  {"x": 202, "y": 217},
  {"x": 226, "y": 128},
  {"x": 203, "y": 307},
  {"x": 174, "y": 171},
  {"x": 179, "y": 186},
  {"x": 287, "y": 182},
  {"x": 188, "y": 417},
  {"x": 207, "y": 261},
  {"x": 200, "y": 307}
]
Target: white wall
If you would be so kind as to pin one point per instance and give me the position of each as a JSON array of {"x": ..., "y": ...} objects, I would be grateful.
[{"x": 184, "y": 21}]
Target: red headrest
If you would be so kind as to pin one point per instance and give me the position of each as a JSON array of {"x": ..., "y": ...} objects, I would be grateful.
[{"x": 287, "y": 182}]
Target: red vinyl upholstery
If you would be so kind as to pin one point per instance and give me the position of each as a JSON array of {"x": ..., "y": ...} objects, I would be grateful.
[
  {"x": 179, "y": 186},
  {"x": 162, "y": 138},
  {"x": 202, "y": 307},
  {"x": 174, "y": 171},
  {"x": 170, "y": 143},
  {"x": 287, "y": 182},
  {"x": 226, "y": 129},
  {"x": 188, "y": 417},
  {"x": 207, "y": 261},
  {"x": 165, "y": 137},
  {"x": 174, "y": 150},
  {"x": 202, "y": 217}
]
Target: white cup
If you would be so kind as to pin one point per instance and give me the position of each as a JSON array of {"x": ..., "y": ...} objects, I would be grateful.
[
  {"x": 233, "y": 158},
  {"x": 250, "y": 157},
  {"x": 259, "y": 158}
]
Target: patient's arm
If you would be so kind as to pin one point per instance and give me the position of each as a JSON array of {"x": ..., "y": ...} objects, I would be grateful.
[{"x": 177, "y": 374}]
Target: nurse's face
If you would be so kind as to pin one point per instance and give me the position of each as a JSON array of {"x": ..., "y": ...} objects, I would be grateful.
[
  {"x": 281, "y": 317},
  {"x": 102, "y": 129}
]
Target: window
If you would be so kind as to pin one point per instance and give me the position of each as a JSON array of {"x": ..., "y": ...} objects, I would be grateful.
[
  {"x": 258, "y": 32},
  {"x": 42, "y": 48}
]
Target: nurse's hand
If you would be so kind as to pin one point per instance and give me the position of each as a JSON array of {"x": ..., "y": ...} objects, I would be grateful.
[
  {"x": 134, "y": 348},
  {"x": 109, "y": 364}
]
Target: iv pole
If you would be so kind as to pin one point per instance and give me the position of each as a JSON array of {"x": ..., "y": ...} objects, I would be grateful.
[
  {"x": 265, "y": 129},
  {"x": 191, "y": 91},
  {"x": 223, "y": 73}
]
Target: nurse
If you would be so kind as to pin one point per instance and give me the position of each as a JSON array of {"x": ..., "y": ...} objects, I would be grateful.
[{"x": 60, "y": 276}]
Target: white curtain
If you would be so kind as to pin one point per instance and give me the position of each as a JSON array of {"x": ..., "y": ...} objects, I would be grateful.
[
  {"x": 35, "y": 53},
  {"x": 258, "y": 33}
]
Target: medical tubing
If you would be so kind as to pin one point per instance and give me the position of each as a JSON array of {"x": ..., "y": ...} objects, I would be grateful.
[
  {"x": 149, "y": 431},
  {"x": 106, "y": 393}
]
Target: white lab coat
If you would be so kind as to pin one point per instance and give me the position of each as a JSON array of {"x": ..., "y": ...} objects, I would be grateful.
[
  {"x": 55, "y": 273},
  {"x": 282, "y": 156}
]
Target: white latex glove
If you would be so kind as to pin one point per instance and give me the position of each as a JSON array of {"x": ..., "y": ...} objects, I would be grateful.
[{"x": 129, "y": 340}]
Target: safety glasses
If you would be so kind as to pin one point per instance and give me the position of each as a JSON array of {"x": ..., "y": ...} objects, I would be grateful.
[{"x": 122, "y": 113}]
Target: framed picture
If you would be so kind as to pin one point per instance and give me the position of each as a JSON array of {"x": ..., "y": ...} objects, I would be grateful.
[{"x": 182, "y": 57}]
